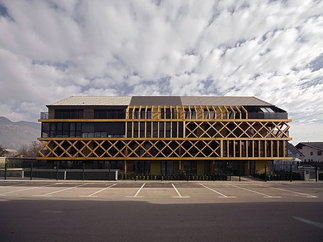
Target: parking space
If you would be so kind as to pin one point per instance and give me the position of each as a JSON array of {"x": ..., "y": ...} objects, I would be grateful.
[{"x": 165, "y": 192}]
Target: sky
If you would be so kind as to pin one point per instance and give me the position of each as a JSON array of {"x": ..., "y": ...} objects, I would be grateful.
[{"x": 273, "y": 50}]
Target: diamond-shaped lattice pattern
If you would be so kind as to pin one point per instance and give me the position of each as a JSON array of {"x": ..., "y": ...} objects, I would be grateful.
[
  {"x": 162, "y": 149},
  {"x": 238, "y": 129},
  {"x": 130, "y": 148}
]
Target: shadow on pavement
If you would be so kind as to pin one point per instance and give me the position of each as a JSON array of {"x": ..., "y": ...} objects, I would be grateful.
[{"x": 65, "y": 220}]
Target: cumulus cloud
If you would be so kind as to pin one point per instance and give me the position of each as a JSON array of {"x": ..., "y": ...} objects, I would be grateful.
[{"x": 55, "y": 48}]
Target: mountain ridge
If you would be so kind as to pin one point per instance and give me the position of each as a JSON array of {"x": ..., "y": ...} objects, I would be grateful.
[{"x": 14, "y": 135}]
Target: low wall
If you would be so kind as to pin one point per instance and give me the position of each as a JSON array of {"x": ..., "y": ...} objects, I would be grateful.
[{"x": 63, "y": 174}]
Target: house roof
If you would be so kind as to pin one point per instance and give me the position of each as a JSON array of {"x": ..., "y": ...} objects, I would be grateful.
[
  {"x": 160, "y": 100},
  {"x": 314, "y": 145},
  {"x": 293, "y": 151}
]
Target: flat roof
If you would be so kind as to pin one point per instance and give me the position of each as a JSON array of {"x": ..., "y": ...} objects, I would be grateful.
[
  {"x": 160, "y": 100},
  {"x": 223, "y": 101},
  {"x": 93, "y": 101}
]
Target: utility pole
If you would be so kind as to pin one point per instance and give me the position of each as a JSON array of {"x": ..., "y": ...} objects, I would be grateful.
[
  {"x": 31, "y": 170},
  {"x": 83, "y": 171},
  {"x": 5, "y": 168},
  {"x": 57, "y": 164}
]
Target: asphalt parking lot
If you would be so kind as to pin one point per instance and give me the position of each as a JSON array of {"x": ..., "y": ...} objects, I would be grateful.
[
  {"x": 164, "y": 192},
  {"x": 160, "y": 211}
]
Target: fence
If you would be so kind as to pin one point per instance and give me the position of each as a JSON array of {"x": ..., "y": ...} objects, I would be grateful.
[{"x": 60, "y": 174}]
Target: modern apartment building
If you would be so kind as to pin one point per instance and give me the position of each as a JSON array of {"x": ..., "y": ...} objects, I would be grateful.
[{"x": 164, "y": 134}]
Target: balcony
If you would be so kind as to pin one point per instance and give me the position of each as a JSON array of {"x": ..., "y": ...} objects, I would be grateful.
[
  {"x": 260, "y": 115},
  {"x": 43, "y": 115}
]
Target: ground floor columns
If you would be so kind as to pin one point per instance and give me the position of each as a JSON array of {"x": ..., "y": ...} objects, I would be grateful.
[
  {"x": 196, "y": 167},
  {"x": 200, "y": 167},
  {"x": 155, "y": 167},
  {"x": 180, "y": 165},
  {"x": 260, "y": 166}
]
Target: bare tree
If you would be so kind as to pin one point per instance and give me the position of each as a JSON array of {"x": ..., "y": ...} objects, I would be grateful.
[
  {"x": 2, "y": 150},
  {"x": 30, "y": 150}
]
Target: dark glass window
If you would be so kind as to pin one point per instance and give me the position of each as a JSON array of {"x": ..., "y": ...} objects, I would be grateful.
[
  {"x": 78, "y": 130},
  {"x": 187, "y": 114},
  {"x": 174, "y": 129},
  {"x": 142, "y": 114},
  {"x": 52, "y": 132},
  {"x": 180, "y": 130},
  {"x": 206, "y": 114},
  {"x": 256, "y": 148},
  {"x": 45, "y": 130},
  {"x": 155, "y": 129},
  {"x": 161, "y": 130},
  {"x": 109, "y": 114},
  {"x": 167, "y": 113},
  {"x": 272, "y": 112},
  {"x": 87, "y": 130},
  {"x": 136, "y": 114},
  {"x": 66, "y": 130},
  {"x": 59, "y": 130},
  {"x": 148, "y": 113},
  {"x": 135, "y": 129},
  {"x": 142, "y": 129},
  {"x": 148, "y": 129},
  {"x": 168, "y": 129},
  {"x": 193, "y": 114},
  {"x": 68, "y": 114},
  {"x": 129, "y": 129}
]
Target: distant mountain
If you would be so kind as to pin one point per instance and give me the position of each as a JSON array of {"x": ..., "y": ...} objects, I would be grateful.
[{"x": 15, "y": 134}]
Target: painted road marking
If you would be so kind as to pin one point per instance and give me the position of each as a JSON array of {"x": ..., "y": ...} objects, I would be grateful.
[
  {"x": 222, "y": 195},
  {"x": 298, "y": 193},
  {"x": 62, "y": 190},
  {"x": 316, "y": 224},
  {"x": 21, "y": 190},
  {"x": 260, "y": 193},
  {"x": 178, "y": 193},
  {"x": 136, "y": 195},
  {"x": 25, "y": 189},
  {"x": 101, "y": 190}
]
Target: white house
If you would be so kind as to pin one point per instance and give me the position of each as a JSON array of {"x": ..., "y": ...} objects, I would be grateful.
[{"x": 312, "y": 151}]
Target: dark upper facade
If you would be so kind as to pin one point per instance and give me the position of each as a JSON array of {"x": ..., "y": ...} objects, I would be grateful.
[{"x": 115, "y": 107}]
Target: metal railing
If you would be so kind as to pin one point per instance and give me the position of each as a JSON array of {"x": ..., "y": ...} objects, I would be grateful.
[{"x": 43, "y": 115}]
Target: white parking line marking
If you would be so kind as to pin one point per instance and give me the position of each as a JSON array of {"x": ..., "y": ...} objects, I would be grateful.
[
  {"x": 298, "y": 193},
  {"x": 222, "y": 195},
  {"x": 136, "y": 195},
  {"x": 178, "y": 193},
  {"x": 50, "y": 193},
  {"x": 101, "y": 190},
  {"x": 260, "y": 193},
  {"x": 316, "y": 224},
  {"x": 26, "y": 189},
  {"x": 21, "y": 190}
]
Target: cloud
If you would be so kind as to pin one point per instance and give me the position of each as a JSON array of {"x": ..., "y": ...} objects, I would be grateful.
[{"x": 269, "y": 49}]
